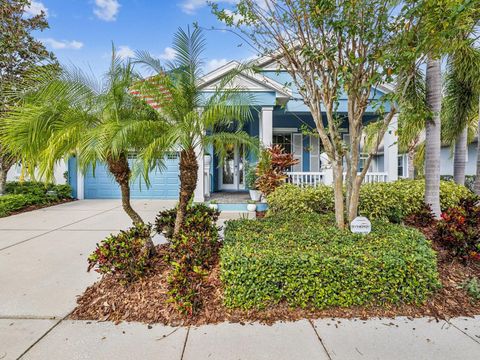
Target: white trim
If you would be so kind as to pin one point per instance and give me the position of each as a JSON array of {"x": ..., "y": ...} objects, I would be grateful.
[
  {"x": 80, "y": 185},
  {"x": 258, "y": 78},
  {"x": 284, "y": 130}
]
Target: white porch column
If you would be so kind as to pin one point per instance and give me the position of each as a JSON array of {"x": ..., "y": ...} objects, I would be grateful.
[
  {"x": 207, "y": 161},
  {"x": 390, "y": 144},
  {"x": 80, "y": 185},
  {"x": 199, "y": 194},
  {"x": 266, "y": 126}
]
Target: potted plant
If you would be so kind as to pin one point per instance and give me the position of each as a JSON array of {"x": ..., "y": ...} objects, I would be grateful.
[
  {"x": 251, "y": 206},
  {"x": 250, "y": 180},
  {"x": 213, "y": 205}
]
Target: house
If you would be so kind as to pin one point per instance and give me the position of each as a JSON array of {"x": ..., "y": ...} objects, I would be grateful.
[{"x": 279, "y": 117}]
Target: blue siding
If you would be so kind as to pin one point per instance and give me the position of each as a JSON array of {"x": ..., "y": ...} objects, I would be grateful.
[
  {"x": 284, "y": 78},
  {"x": 163, "y": 185},
  {"x": 255, "y": 98},
  {"x": 72, "y": 175}
]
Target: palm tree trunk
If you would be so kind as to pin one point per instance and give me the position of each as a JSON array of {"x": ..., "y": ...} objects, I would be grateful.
[
  {"x": 432, "y": 138},
  {"x": 476, "y": 186},
  {"x": 460, "y": 157},
  {"x": 411, "y": 163},
  {"x": 6, "y": 162},
  {"x": 188, "y": 183},
  {"x": 3, "y": 181},
  {"x": 121, "y": 171}
]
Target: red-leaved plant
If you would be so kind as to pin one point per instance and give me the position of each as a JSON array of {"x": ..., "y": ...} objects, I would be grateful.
[
  {"x": 459, "y": 230},
  {"x": 271, "y": 168}
]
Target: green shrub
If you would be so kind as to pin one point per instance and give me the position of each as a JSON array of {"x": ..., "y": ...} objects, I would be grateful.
[
  {"x": 20, "y": 195},
  {"x": 125, "y": 255},
  {"x": 294, "y": 199},
  {"x": 194, "y": 251},
  {"x": 39, "y": 188},
  {"x": 390, "y": 201},
  {"x": 11, "y": 203},
  {"x": 472, "y": 287},
  {"x": 307, "y": 262}
]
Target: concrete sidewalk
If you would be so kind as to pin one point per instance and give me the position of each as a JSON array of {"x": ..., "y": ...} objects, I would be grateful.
[
  {"x": 400, "y": 338},
  {"x": 43, "y": 268}
]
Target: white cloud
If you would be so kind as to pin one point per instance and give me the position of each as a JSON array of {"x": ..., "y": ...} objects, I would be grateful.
[
  {"x": 235, "y": 17},
  {"x": 35, "y": 8},
  {"x": 62, "y": 44},
  {"x": 190, "y": 6},
  {"x": 106, "y": 9},
  {"x": 214, "y": 64},
  {"x": 168, "y": 54},
  {"x": 124, "y": 52}
]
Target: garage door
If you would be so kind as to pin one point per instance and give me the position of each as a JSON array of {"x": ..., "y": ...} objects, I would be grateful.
[{"x": 163, "y": 184}]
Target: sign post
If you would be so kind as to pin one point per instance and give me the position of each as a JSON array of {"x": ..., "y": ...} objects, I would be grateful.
[{"x": 360, "y": 225}]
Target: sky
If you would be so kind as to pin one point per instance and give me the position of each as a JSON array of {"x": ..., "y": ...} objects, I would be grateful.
[{"x": 82, "y": 31}]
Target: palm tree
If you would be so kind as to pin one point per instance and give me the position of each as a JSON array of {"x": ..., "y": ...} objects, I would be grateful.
[
  {"x": 414, "y": 111},
  {"x": 67, "y": 112},
  {"x": 460, "y": 106},
  {"x": 432, "y": 134},
  {"x": 195, "y": 120}
]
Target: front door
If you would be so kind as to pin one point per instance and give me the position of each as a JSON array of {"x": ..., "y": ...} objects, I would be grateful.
[{"x": 231, "y": 172}]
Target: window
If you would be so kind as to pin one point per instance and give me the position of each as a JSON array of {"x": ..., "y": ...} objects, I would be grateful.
[
  {"x": 401, "y": 165},
  {"x": 284, "y": 140}
]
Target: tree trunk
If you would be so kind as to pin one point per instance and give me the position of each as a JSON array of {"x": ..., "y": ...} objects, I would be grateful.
[
  {"x": 354, "y": 199},
  {"x": 6, "y": 162},
  {"x": 3, "y": 181},
  {"x": 432, "y": 138},
  {"x": 338, "y": 193},
  {"x": 188, "y": 183},
  {"x": 476, "y": 186},
  {"x": 411, "y": 163},
  {"x": 460, "y": 157},
  {"x": 121, "y": 172}
]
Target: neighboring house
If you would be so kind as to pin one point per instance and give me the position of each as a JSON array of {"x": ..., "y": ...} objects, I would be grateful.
[
  {"x": 279, "y": 115},
  {"x": 15, "y": 173}
]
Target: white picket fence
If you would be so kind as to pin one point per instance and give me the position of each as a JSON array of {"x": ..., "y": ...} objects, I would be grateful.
[{"x": 303, "y": 179}]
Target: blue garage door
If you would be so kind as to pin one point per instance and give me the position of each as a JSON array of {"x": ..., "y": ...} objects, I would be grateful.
[{"x": 163, "y": 184}]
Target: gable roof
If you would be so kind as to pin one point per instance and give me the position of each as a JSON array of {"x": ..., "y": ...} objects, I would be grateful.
[{"x": 248, "y": 79}]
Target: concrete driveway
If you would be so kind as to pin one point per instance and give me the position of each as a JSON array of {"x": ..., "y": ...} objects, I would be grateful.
[{"x": 43, "y": 269}]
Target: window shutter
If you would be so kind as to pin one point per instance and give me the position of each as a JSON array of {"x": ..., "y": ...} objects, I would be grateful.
[
  {"x": 297, "y": 150},
  {"x": 314, "y": 154}
]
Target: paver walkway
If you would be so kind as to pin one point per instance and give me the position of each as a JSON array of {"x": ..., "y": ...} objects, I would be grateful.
[{"x": 43, "y": 269}]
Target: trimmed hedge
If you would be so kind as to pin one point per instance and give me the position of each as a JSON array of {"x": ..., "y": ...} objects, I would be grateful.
[
  {"x": 390, "y": 201},
  {"x": 307, "y": 263},
  {"x": 21, "y": 195}
]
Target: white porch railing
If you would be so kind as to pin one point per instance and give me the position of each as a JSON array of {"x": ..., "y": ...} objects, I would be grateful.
[
  {"x": 374, "y": 177},
  {"x": 304, "y": 179}
]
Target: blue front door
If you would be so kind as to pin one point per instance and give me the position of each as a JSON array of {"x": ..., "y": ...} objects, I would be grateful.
[{"x": 163, "y": 184}]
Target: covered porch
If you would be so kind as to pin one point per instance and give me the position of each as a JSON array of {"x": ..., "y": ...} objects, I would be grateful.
[{"x": 273, "y": 125}]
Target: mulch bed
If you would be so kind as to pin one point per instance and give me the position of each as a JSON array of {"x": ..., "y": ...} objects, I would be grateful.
[
  {"x": 146, "y": 300},
  {"x": 40, "y": 206}
]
